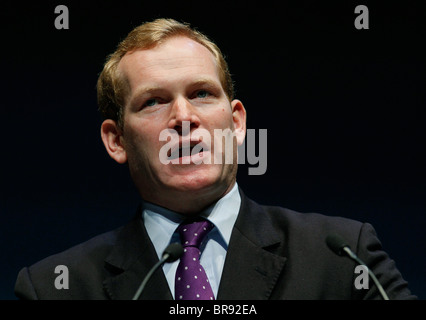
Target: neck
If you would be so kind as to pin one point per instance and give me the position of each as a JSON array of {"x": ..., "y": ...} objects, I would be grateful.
[{"x": 189, "y": 203}]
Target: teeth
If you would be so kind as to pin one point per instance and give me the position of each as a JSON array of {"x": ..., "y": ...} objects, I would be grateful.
[
  {"x": 183, "y": 151},
  {"x": 179, "y": 153}
]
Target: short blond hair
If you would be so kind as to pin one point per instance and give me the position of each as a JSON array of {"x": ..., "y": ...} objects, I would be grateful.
[{"x": 112, "y": 87}]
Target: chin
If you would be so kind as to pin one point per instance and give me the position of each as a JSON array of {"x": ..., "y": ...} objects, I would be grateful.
[{"x": 197, "y": 180}]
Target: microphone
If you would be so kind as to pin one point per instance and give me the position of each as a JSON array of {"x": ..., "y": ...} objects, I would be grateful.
[
  {"x": 340, "y": 247},
  {"x": 173, "y": 252}
]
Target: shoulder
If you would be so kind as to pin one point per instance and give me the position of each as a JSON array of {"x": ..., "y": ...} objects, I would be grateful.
[
  {"x": 307, "y": 231},
  {"x": 307, "y": 226},
  {"x": 91, "y": 250},
  {"x": 304, "y": 236},
  {"x": 84, "y": 261}
]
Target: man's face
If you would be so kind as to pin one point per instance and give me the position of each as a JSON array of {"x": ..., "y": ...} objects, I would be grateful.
[{"x": 174, "y": 82}]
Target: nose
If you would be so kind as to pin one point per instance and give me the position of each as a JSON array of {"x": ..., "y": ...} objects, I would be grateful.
[{"x": 182, "y": 110}]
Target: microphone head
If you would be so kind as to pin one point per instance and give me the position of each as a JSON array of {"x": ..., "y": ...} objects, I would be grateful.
[
  {"x": 174, "y": 250},
  {"x": 336, "y": 244}
]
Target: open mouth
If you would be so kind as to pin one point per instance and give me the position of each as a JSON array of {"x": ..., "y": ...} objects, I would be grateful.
[{"x": 195, "y": 148}]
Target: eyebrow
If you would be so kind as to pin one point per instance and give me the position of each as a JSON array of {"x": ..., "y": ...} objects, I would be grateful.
[
  {"x": 146, "y": 90},
  {"x": 206, "y": 82},
  {"x": 203, "y": 81}
]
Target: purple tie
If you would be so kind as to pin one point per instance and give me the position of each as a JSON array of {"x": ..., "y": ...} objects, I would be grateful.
[{"x": 191, "y": 282}]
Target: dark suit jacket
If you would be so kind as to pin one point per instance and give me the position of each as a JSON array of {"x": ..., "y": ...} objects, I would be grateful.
[{"x": 274, "y": 253}]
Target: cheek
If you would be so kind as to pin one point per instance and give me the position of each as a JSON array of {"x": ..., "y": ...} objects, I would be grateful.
[
  {"x": 221, "y": 118},
  {"x": 142, "y": 139}
]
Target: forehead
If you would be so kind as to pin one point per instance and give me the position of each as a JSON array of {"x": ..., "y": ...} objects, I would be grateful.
[{"x": 176, "y": 59}]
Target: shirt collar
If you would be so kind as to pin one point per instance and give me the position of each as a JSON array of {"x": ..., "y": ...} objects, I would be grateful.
[
  {"x": 161, "y": 223},
  {"x": 224, "y": 213}
]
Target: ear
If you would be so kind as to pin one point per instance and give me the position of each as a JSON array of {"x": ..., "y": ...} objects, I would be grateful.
[
  {"x": 239, "y": 120},
  {"x": 112, "y": 139}
]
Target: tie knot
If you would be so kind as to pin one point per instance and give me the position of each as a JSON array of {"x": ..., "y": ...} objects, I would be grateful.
[{"x": 192, "y": 233}]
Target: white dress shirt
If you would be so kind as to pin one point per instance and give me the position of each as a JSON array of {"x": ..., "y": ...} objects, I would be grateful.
[{"x": 161, "y": 225}]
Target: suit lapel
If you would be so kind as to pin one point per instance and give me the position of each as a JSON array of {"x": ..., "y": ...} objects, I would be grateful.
[
  {"x": 252, "y": 266},
  {"x": 251, "y": 269},
  {"x": 129, "y": 262}
]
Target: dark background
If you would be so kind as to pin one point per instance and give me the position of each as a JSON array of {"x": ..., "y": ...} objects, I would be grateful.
[{"x": 344, "y": 109}]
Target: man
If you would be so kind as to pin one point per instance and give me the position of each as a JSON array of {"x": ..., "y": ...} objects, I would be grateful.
[{"x": 167, "y": 80}]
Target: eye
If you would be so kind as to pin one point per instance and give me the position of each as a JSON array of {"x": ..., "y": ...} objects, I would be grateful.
[
  {"x": 151, "y": 102},
  {"x": 202, "y": 94}
]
